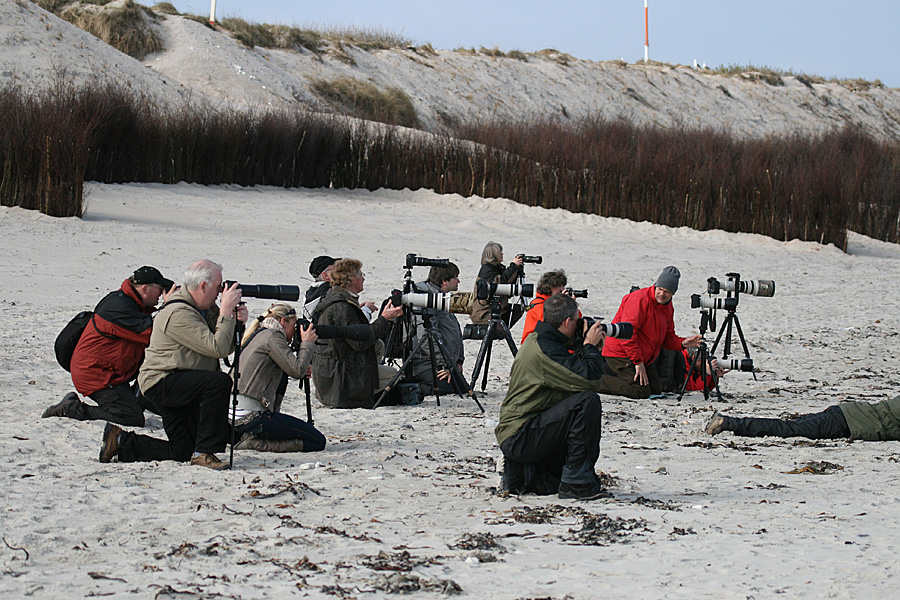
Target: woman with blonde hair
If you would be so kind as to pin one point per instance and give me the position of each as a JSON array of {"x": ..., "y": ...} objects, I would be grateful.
[
  {"x": 493, "y": 271},
  {"x": 266, "y": 363}
]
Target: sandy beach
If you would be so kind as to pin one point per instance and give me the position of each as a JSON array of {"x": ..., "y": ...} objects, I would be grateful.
[{"x": 403, "y": 499}]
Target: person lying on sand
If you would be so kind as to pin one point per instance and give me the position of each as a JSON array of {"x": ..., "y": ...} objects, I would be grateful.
[{"x": 854, "y": 420}]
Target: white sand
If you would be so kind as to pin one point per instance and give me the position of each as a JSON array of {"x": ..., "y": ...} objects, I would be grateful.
[{"x": 421, "y": 478}]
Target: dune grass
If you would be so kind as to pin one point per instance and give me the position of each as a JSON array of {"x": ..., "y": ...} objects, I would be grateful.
[
  {"x": 126, "y": 28},
  {"x": 364, "y": 100}
]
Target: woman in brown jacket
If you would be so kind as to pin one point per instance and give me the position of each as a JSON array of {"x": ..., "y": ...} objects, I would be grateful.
[{"x": 266, "y": 363}]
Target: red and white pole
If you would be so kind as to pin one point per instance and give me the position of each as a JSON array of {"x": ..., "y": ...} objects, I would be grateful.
[
  {"x": 212, "y": 12},
  {"x": 646, "y": 33}
]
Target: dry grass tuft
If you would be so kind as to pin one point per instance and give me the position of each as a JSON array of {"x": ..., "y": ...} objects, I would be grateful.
[
  {"x": 127, "y": 29},
  {"x": 364, "y": 100}
]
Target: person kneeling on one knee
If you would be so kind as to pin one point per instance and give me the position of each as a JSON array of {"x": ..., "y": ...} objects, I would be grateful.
[
  {"x": 549, "y": 429},
  {"x": 630, "y": 364},
  {"x": 266, "y": 363}
]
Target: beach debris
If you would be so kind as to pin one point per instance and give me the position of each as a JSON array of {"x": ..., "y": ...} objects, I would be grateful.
[
  {"x": 297, "y": 488},
  {"x": 657, "y": 504},
  {"x": 405, "y": 583},
  {"x": 476, "y": 541},
  {"x": 27, "y": 556},
  {"x": 481, "y": 556},
  {"x": 297, "y": 568},
  {"x": 96, "y": 575},
  {"x": 336, "y": 590},
  {"x": 602, "y": 530},
  {"x": 771, "y": 486},
  {"x": 817, "y": 468},
  {"x": 335, "y": 531},
  {"x": 681, "y": 531},
  {"x": 396, "y": 561},
  {"x": 714, "y": 445}
]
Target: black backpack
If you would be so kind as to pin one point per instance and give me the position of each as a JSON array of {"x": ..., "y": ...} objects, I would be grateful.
[{"x": 69, "y": 336}]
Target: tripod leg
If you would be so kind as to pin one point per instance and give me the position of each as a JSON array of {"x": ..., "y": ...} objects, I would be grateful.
[
  {"x": 719, "y": 337},
  {"x": 455, "y": 375},
  {"x": 743, "y": 343},
  {"x": 431, "y": 339},
  {"x": 487, "y": 361},
  {"x": 482, "y": 351},
  {"x": 509, "y": 341}
]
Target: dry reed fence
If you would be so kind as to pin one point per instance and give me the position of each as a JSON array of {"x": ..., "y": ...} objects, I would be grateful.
[{"x": 804, "y": 187}]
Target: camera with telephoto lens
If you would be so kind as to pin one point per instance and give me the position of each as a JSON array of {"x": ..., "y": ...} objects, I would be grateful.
[
  {"x": 358, "y": 333},
  {"x": 288, "y": 293},
  {"x": 531, "y": 259},
  {"x": 621, "y": 331},
  {"x": 763, "y": 287},
  {"x": 734, "y": 364},
  {"x": 413, "y": 260},
  {"x": 423, "y": 300},
  {"x": 576, "y": 293},
  {"x": 486, "y": 290},
  {"x": 698, "y": 301}
]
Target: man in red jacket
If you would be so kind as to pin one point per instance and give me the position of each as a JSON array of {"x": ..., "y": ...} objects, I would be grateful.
[
  {"x": 110, "y": 350},
  {"x": 649, "y": 310}
]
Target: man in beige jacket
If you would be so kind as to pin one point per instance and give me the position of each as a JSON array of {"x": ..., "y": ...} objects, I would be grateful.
[{"x": 181, "y": 375}]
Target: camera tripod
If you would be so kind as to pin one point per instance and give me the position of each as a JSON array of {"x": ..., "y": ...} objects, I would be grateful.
[
  {"x": 703, "y": 357},
  {"x": 236, "y": 375},
  {"x": 484, "y": 352},
  {"x": 731, "y": 320},
  {"x": 434, "y": 341}
]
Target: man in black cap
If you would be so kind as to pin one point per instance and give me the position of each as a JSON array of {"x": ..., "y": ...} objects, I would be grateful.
[
  {"x": 630, "y": 364},
  {"x": 110, "y": 350},
  {"x": 320, "y": 268}
]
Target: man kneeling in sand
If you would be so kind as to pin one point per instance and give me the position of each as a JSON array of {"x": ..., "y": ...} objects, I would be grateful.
[
  {"x": 106, "y": 359},
  {"x": 549, "y": 428},
  {"x": 181, "y": 374},
  {"x": 854, "y": 420}
]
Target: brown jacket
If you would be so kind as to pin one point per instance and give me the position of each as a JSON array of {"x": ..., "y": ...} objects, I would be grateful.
[
  {"x": 263, "y": 361},
  {"x": 345, "y": 372}
]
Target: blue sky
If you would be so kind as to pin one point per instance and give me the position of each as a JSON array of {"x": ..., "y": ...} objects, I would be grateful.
[{"x": 841, "y": 38}]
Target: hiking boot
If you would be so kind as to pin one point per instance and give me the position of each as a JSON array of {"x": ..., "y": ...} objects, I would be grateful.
[
  {"x": 65, "y": 408},
  {"x": 210, "y": 461},
  {"x": 715, "y": 423},
  {"x": 581, "y": 491},
  {"x": 110, "y": 445}
]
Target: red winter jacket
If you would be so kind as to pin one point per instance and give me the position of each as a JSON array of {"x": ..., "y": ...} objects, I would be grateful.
[
  {"x": 99, "y": 361},
  {"x": 653, "y": 325},
  {"x": 534, "y": 314},
  {"x": 695, "y": 383}
]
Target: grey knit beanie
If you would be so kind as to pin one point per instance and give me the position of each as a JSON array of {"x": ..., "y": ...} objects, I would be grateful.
[{"x": 668, "y": 279}]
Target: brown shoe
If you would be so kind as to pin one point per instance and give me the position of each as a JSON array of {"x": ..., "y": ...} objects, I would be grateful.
[
  {"x": 210, "y": 461},
  {"x": 715, "y": 423},
  {"x": 110, "y": 445}
]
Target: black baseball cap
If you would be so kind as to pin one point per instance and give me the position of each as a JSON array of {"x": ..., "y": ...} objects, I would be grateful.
[
  {"x": 146, "y": 275},
  {"x": 320, "y": 263}
]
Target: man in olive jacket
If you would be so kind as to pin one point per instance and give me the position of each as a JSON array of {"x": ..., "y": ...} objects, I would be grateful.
[
  {"x": 346, "y": 372},
  {"x": 181, "y": 375},
  {"x": 854, "y": 420},
  {"x": 549, "y": 428}
]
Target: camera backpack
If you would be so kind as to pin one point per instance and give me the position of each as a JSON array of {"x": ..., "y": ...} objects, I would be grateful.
[
  {"x": 65, "y": 343},
  {"x": 69, "y": 336}
]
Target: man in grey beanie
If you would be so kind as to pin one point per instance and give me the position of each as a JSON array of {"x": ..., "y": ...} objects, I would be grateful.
[{"x": 650, "y": 312}]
